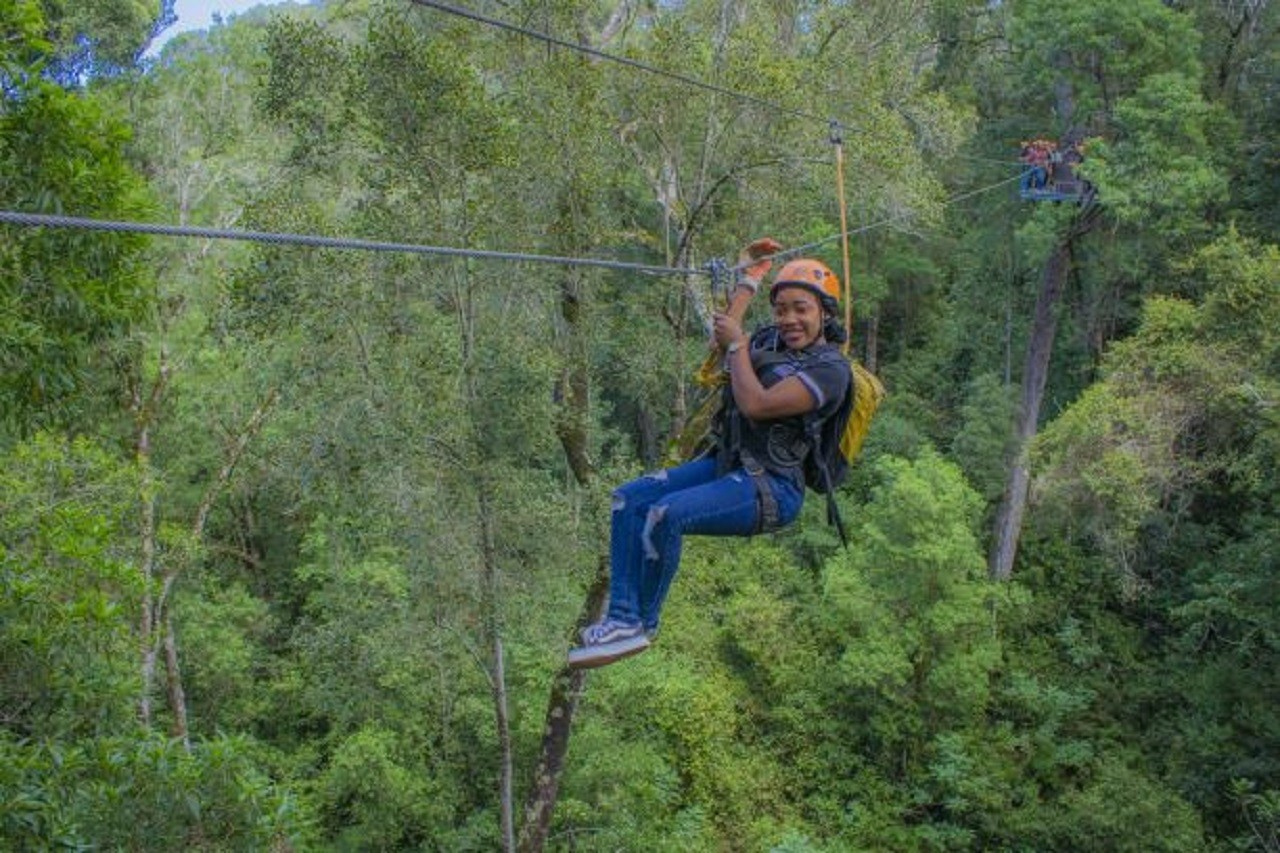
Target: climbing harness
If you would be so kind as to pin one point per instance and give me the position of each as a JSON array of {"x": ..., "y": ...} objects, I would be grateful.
[
  {"x": 826, "y": 462},
  {"x": 769, "y": 517}
]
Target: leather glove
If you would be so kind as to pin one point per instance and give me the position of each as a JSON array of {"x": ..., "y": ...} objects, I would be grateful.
[{"x": 751, "y": 270}]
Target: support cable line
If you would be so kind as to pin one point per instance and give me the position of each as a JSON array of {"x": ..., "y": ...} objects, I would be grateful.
[
  {"x": 612, "y": 57},
  {"x": 993, "y": 160},
  {"x": 45, "y": 220},
  {"x": 799, "y": 250}
]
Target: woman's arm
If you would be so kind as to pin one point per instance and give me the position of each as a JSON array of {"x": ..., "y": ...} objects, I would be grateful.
[
  {"x": 750, "y": 273},
  {"x": 789, "y": 397}
]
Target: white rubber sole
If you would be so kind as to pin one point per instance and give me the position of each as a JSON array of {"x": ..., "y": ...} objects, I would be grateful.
[{"x": 589, "y": 657}]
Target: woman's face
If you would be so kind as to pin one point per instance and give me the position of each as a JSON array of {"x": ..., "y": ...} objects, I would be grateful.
[{"x": 798, "y": 316}]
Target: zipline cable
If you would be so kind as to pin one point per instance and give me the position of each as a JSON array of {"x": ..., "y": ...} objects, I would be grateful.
[
  {"x": 788, "y": 253},
  {"x": 57, "y": 221},
  {"x": 834, "y": 124},
  {"x": 47, "y": 220},
  {"x": 987, "y": 160},
  {"x": 612, "y": 57}
]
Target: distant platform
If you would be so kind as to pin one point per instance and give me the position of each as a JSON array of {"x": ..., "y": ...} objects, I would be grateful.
[{"x": 1034, "y": 187}]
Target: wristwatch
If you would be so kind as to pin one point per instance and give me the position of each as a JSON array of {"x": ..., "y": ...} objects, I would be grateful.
[{"x": 733, "y": 347}]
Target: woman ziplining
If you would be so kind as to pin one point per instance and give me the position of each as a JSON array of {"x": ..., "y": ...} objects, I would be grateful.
[{"x": 786, "y": 382}]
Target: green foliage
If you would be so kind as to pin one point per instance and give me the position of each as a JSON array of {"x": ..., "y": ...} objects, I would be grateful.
[
  {"x": 1262, "y": 814},
  {"x": 1241, "y": 280},
  {"x": 1173, "y": 410},
  {"x": 1247, "y": 62},
  {"x": 64, "y": 295},
  {"x": 408, "y": 498},
  {"x": 225, "y": 633},
  {"x": 70, "y": 590},
  {"x": 1104, "y": 51},
  {"x": 23, "y": 23},
  {"x": 75, "y": 769},
  {"x": 427, "y": 103},
  {"x": 141, "y": 792},
  {"x": 912, "y": 601},
  {"x": 308, "y": 75},
  {"x": 199, "y": 139},
  {"x": 350, "y": 647},
  {"x": 1167, "y": 466},
  {"x": 97, "y": 37},
  {"x": 1122, "y": 809},
  {"x": 621, "y": 790},
  {"x": 374, "y": 795},
  {"x": 981, "y": 445},
  {"x": 1160, "y": 169}
]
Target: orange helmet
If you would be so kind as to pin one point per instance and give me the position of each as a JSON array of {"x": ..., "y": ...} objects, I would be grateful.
[{"x": 811, "y": 275}]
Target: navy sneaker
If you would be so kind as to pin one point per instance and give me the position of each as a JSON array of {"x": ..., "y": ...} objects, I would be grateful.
[{"x": 607, "y": 641}]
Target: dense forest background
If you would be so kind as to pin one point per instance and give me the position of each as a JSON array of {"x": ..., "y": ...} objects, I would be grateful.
[{"x": 293, "y": 540}]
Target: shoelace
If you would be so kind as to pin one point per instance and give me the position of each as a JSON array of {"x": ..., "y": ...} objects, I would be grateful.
[{"x": 601, "y": 629}]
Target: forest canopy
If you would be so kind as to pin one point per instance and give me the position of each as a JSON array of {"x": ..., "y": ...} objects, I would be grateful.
[{"x": 294, "y": 538}]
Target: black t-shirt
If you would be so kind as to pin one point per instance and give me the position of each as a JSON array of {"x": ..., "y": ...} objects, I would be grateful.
[
  {"x": 780, "y": 445},
  {"x": 826, "y": 377}
]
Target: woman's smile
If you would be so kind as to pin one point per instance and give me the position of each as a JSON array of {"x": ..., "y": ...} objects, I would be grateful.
[{"x": 798, "y": 315}]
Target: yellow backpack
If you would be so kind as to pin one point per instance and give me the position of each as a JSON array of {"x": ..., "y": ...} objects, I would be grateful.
[{"x": 868, "y": 393}]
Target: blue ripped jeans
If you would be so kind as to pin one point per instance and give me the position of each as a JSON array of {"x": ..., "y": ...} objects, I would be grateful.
[{"x": 651, "y": 515}]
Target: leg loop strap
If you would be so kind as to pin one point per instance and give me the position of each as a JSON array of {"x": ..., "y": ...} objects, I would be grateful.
[{"x": 767, "y": 503}]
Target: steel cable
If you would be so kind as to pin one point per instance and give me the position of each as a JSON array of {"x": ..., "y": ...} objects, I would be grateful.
[
  {"x": 57, "y": 221},
  {"x": 622, "y": 60}
]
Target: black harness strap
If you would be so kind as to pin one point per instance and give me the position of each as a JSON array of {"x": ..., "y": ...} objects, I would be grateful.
[
  {"x": 764, "y": 353},
  {"x": 769, "y": 517},
  {"x": 833, "y": 511}
]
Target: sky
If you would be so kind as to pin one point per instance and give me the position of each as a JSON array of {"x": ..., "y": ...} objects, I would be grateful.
[{"x": 198, "y": 15}]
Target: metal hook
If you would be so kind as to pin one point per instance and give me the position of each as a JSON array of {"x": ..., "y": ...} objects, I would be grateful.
[{"x": 718, "y": 268}]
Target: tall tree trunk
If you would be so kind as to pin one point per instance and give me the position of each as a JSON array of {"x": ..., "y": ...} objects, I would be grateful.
[
  {"x": 146, "y": 627},
  {"x": 566, "y": 689},
  {"x": 490, "y": 571},
  {"x": 1035, "y": 372},
  {"x": 506, "y": 782},
  {"x": 173, "y": 682},
  {"x": 568, "y": 684},
  {"x": 144, "y": 413},
  {"x": 647, "y": 428},
  {"x": 498, "y": 671},
  {"x": 1035, "y": 375},
  {"x": 574, "y": 385}
]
